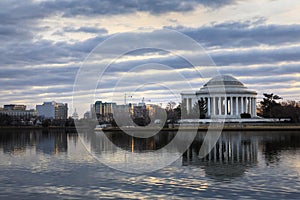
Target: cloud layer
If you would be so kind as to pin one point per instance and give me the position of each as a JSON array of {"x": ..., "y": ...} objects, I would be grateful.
[{"x": 40, "y": 55}]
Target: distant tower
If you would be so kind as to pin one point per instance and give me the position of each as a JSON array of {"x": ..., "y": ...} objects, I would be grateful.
[{"x": 75, "y": 115}]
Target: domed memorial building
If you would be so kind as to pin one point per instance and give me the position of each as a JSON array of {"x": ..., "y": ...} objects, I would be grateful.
[{"x": 224, "y": 96}]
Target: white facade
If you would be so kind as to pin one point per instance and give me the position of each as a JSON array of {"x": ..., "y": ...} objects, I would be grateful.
[
  {"x": 47, "y": 110},
  {"x": 225, "y": 97}
]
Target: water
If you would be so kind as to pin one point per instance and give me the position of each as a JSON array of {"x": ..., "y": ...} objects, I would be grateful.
[{"x": 55, "y": 165}]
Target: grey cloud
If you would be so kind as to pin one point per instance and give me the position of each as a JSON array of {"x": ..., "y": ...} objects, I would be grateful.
[
  {"x": 262, "y": 70},
  {"x": 116, "y": 7},
  {"x": 20, "y": 78},
  {"x": 249, "y": 57},
  {"x": 16, "y": 12},
  {"x": 243, "y": 34}
]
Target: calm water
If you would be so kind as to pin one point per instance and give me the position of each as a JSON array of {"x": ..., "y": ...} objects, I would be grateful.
[{"x": 55, "y": 165}]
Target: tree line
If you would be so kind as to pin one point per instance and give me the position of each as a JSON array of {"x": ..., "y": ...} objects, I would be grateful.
[{"x": 272, "y": 106}]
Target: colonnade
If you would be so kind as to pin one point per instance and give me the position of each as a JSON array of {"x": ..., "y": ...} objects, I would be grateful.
[
  {"x": 231, "y": 149},
  {"x": 230, "y": 105}
]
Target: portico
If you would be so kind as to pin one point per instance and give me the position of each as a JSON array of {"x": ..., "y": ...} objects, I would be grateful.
[{"x": 225, "y": 96}]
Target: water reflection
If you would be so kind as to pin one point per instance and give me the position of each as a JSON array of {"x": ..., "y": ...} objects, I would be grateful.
[
  {"x": 229, "y": 158},
  {"x": 241, "y": 165},
  {"x": 44, "y": 141},
  {"x": 233, "y": 154},
  {"x": 127, "y": 142},
  {"x": 232, "y": 147},
  {"x": 273, "y": 145}
]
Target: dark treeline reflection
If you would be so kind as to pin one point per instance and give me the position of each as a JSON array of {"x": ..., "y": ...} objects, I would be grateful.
[
  {"x": 272, "y": 146},
  {"x": 44, "y": 141}
]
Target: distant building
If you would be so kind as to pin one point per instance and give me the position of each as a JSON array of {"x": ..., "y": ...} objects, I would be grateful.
[
  {"x": 87, "y": 115},
  {"x": 19, "y": 114},
  {"x": 98, "y": 107},
  {"x": 104, "y": 110},
  {"x": 61, "y": 111},
  {"x": 52, "y": 110},
  {"x": 17, "y": 111},
  {"x": 155, "y": 111},
  {"x": 47, "y": 110},
  {"x": 75, "y": 115},
  {"x": 14, "y": 107}
]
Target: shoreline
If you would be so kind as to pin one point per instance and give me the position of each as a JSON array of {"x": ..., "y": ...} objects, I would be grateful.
[
  {"x": 37, "y": 128},
  {"x": 226, "y": 127}
]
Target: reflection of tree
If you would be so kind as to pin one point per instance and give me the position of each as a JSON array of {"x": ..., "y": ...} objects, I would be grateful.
[
  {"x": 52, "y": 141},
  {"x": 273, "y": 146},
  {"x": 5, "y": 120},
  {"x": 17, "y": 141}
]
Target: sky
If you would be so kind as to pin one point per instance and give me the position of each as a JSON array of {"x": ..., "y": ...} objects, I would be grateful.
[{"x": 45, "y": 44}]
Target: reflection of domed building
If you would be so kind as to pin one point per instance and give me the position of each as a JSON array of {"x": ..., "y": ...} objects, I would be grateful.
[
  {"x": 230, "y": 157},
  {"x": 225, "y": 96}
]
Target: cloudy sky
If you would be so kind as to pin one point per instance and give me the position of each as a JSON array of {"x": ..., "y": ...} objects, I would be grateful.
[{"x": 45, "y": 43}]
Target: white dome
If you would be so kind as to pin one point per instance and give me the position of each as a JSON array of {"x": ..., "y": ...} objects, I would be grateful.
[
  {"x": 224, "y": 84},
  {"x": 223, "y": 80}
]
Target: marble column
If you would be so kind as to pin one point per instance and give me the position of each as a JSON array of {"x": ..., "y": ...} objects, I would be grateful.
[
  {"x": 237, "y": 106},
  {"x": 242, "y": 105},
  {"x": 208, "y": 106},
  {"x": 219, "y": 106},
  {"x": 214, "y": 105},
  {"x": 187, "y": 106},
  {"x": 231, "y": 105},
  {"x": 249, "y": 104},
  {"x": 254, "y": 106},
  {"x": 246, "y": 104},
  {"x": 226, "y": 105}
]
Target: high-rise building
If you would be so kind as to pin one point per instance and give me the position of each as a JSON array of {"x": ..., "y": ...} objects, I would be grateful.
[
  {"x": 52, "y": 110},
  {"x": 104, "y": 110},
  {"x": 46, "y": 110},
  {"x": 98, "y": 108},
  {"x": 61, "y": 111}
]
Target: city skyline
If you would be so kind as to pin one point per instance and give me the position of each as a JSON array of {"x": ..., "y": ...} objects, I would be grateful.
[{"x": 44, "y": 47}]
